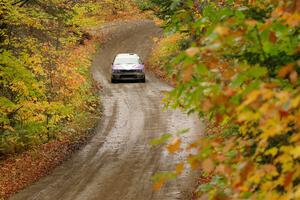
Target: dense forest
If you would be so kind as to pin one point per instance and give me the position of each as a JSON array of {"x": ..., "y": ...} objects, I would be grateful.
[
  {"x": 236, "y": 64},
  {"x": 45, "y": 82}
]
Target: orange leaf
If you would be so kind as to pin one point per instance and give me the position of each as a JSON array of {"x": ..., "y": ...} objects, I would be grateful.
[
  {"x": 247, "y": 168},
  {"x": 251, "y": 22},
  {"x": 270, "y": 85},
  {"x": 294, "y": 77},
  {"x": 278, "y": 12},
  {"x": 219, "y": 118},
  {"x": 221, "y": 99},
  {"x": 221, "y": 169},
  {"x": 188, "y": 74},
  {"x": 251, "y": 2},
  {"x": 228, "y": 92},
  {"x": 273, "y": 37},
  {"x": 286, "y": 70},
  {"x": 207, "y": 105},
  {"x": 158, "y": 185},
  {"x": 288, "y": 179},
  {"x": 174, "y": 146},
  {"x": 222, "y": 30},
  {"x": 292, "y": 19},
  {"x": 208, "y": 165},
  {"x": 194, "y": 163},
  {"x": 297, "y": 117},
  {"x": 192, "y": 51},
  {"x": 283, "y": 113},
  {"x": 212, "y": 62}
]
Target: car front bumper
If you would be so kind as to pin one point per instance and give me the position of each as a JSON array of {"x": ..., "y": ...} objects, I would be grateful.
[{"x": 128, "y": 75}]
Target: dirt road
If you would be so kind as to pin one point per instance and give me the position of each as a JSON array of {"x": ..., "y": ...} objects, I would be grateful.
[{"x": 118, "y": 162}]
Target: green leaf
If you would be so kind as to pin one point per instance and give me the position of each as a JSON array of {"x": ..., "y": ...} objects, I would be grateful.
[
  {"x": 239, "y": 80},
  {"x": 163, "y": 176},
  {"x": 257, "y": 72},
  {"x": 163, "y": 139}
]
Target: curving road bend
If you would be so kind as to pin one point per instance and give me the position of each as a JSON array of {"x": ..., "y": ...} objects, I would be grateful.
[{"x": 118, "y": 162}]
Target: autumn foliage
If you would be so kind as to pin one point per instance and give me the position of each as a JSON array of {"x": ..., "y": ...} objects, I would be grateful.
[
  {"x": 45, "y": 55},
  {"x": 241, "y": 71},
  {"x": 45, "y": 84}
]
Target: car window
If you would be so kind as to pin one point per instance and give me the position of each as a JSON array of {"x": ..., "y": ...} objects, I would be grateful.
[{"x": 126, "y": 60}]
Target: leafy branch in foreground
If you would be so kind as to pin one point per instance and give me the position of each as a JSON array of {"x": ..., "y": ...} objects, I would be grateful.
[{"x": 241, "y": 72}]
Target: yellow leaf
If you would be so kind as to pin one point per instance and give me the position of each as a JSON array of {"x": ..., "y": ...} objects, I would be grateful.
[
  {"x": 295, "y": 137},
  {"x": 174, "y": 145},
  {"x": 179, "y": 168},
  {"x": 272, "y": 195},
  {"x": 287, "y": 167},
  {"x": 271, "y": 128},
  {"x": 297, "y": 193},
  {"x": 267, "y": 186},
  {"x": 248, "y": 116},
  {"x": 295, "y": 102},
  {"x": 296, "y": 152},
  {"x": 273, "y": 151},
  {"x": 7, "y": 127},
  {"x": 251, "y": 97},
  {"x": 257, "y": 176}
]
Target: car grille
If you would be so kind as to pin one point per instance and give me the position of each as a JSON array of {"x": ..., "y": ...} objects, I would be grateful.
[
  {"x": 130, "y": 71},
  {"x": 128, "y": 76}
]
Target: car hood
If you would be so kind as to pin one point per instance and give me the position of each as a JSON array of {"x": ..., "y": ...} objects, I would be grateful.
[{"x": 127, "y": 66}]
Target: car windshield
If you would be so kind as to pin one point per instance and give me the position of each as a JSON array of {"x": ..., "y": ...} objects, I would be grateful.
[{"x": 126, "y": 60}]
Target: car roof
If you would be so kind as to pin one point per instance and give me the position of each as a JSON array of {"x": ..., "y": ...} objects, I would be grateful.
[{"x": 126, "y": 55}]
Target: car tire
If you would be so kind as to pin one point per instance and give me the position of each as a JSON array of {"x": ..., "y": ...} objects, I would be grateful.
[{"x": 143, "y": 80}]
